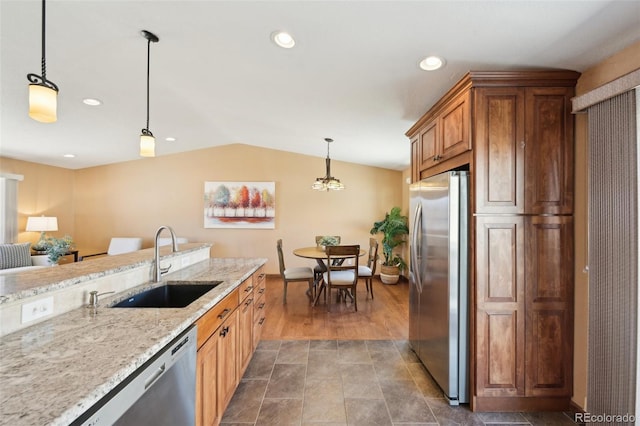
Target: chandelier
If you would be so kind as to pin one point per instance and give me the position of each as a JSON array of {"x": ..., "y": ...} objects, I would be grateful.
[{"x": 328, "y": 182}]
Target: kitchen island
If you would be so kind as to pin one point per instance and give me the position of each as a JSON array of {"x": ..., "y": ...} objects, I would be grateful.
[{"x": 52, "y": 372}]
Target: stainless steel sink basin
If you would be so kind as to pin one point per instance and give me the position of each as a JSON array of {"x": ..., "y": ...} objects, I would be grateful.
[{"x": 171, "y": 295}]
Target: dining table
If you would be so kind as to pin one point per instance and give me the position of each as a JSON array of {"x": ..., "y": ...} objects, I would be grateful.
[{"x": 317, "y": 253}]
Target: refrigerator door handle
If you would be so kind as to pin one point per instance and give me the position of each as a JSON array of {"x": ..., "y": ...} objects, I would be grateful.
[{"x": 417, "y": 230}]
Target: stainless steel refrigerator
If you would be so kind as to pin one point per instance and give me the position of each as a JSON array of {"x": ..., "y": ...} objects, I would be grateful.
[{"x": 438, "y": 280}]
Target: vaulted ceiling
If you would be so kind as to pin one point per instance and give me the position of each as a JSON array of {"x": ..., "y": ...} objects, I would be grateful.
[{"x": 217, "y": 78}]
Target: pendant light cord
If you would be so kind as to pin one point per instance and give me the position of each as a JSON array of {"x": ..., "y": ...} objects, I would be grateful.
[
  {"x": 43, "y": 60},
  {"x": 148, "y": 66}
]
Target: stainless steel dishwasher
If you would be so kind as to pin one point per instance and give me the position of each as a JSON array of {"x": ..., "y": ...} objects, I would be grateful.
[{"x": 161, "y": 392}]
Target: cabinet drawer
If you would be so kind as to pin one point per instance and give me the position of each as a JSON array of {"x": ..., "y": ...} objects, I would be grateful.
[
  {"x": 245, "y": 289},
  {"x": 259, "y": 278},
  {"x": 210, "y": 321},
  {"x": 259, "y": 306}
]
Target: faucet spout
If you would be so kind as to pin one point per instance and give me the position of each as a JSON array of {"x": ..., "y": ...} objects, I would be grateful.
[{"x": 158, "y": 272}]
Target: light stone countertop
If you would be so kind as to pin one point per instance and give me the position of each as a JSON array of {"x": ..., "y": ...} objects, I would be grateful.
[
  {"x": 33, "y": 282},
  {"x": 52, "y": 372}
]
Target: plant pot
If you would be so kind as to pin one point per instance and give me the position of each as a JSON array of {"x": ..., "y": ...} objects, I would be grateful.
[{"x": 389, "y": 274}]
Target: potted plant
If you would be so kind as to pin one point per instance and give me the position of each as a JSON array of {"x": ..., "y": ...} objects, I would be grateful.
[
  {"x": 393, "y": 228},
  {"x": 327, "y": 240},
  {"x": 55, "y": 248}
]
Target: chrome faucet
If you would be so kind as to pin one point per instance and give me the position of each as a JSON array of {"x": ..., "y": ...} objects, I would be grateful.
[{"x": 156, "y": 254}]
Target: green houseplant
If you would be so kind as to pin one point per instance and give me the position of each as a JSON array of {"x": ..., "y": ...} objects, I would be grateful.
[
  {"x": 57, "y": 247},
  {"x": 328, "y": 240},
  {"x": 393, "y": 227}
]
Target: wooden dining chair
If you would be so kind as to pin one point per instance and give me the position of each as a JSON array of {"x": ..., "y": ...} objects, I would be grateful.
[
  {"x": 321, "y": 268},
  {"x": 295, "y": 274},
  {"x": 342, "y": 276},
  {"x": 368, "y": 271}
]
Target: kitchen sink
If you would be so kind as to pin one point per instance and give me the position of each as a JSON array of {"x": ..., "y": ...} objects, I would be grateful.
[{"x": 174, "y": 294}]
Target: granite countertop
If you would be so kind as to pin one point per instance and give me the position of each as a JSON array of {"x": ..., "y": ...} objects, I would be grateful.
[
  {"x": 34, "y": 282},
  {"x": 54, "y": 371}
]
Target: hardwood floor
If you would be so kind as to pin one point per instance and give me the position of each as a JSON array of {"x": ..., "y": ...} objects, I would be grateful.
[{"x": 386, "y": 317}]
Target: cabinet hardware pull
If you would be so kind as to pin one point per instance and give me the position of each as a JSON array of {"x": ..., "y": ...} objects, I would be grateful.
[
  {"x": 522, "y": 144},
  {"x": 224, "y": 313},
  {"x": 248, "y": 302},
  {"x": 248, "y": 289},
  {"x": 261, "y": 276},
  {"x": 224, "y": 331},
  {"x": 261, "y": 290},
  {"x": 261, "y": 321},
  {"x": 261, "y": 305}
]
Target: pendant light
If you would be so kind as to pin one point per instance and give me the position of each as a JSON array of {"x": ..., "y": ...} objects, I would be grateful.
[
  {"x": 147, "y": 141},
  {"x": 328, "y": 182},
  {"x": 43, "y": 94}
]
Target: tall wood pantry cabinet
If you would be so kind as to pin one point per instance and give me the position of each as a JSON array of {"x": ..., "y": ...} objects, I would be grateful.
[{"x": 514, "y": 132}]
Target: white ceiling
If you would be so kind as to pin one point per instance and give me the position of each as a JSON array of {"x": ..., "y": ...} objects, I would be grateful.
[{"x": 216, "y": 77}]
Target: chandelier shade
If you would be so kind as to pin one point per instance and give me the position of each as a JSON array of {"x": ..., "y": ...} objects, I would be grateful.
[
  {"x": 43, "y": 94},
  {"x": 328, "y": 182}
]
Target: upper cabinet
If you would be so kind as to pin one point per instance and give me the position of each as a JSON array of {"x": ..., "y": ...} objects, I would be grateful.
[
  {"x": 513, "y": 129},
  {"x": 523, "y": 150},
  {"x": 441, "y": 135}
]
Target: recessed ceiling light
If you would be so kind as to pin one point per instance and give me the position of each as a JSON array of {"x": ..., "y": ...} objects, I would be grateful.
[
  {"x": 283, "y": 39},
  {"x": 69, "y": 156},
  {"x": 92, "y": 101},
  {"x": 170, "y": 139},
  {"x": 432, "y": 63}
]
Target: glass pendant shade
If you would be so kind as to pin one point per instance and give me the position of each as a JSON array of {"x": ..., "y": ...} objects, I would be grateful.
[
  {"x": 43, "y": 103},
  {"x": 147, "y": 145}
]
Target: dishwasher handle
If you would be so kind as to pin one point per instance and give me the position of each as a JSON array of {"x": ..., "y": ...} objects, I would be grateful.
[{"x": 155, "y": 376}]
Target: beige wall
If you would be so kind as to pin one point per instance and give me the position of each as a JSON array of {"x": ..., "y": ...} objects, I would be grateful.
[
  {"x": 46, "y": 191},
  {"x": 135, "y": 198},
  {"x": 613, "y": 67}
]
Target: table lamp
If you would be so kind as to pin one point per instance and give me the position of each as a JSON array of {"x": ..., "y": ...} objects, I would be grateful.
[{"x": 41, "y": 224}]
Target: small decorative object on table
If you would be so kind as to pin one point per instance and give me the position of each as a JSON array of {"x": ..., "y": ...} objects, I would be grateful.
[
  {"x": 327, "y": 240},
  {"x": 55, "y": 248}
]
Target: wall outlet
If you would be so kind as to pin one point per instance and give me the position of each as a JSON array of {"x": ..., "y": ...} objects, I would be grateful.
[
  {"x": 37, "y": 309},
  {"x": 184, "y": 262}
]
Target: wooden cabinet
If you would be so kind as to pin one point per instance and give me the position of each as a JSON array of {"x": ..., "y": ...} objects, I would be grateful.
[
  {"x": 500, "y": 306},
  {"x": 259, "y": 305},
  {"x": 245, "y": 344},
  {"x": 520, "y": 157},
  {"x": 549, "y": 306},
  {"x": 206, "y": 384},
  {"x": 523, "y": 151},
  {"x": 227, "y": 358},
  {"x": 226, "y": 342},
  {"x": 443, "y": 136},
  {"x": 212, "y": 379}
]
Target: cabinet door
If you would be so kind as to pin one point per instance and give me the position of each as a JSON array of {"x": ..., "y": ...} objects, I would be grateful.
[
  {"x": 499, "y": 150},
  {"x": 207, "y": 413},
  {"x": 246, "y": 335},
  {"x": 549, "y": 151},
  {"x": 429, "y": 149},
  {"x": 454, "y": 123},
  {"x": 500, "y": 317},
  {"x": 549, "y": 304},
  {"x": 227, "y": 337}
]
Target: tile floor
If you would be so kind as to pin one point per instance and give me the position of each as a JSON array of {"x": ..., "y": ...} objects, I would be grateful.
[{"x": 363, "y": 383}]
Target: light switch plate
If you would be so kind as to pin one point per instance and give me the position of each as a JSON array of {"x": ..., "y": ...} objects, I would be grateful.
[{"x": 37, "y": 309}]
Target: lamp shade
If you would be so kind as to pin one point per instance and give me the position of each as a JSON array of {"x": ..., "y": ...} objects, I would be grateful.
[
  {"x": 147, "y": 146},
  {"x": 43, "y": 103},
  {"x": 42, "y": 224}
]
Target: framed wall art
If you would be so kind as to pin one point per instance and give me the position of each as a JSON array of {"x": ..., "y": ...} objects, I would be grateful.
[{"x": 240, "y": 205}]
